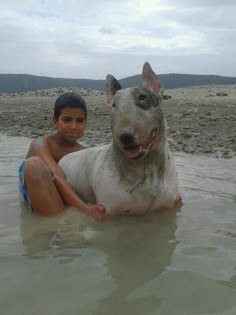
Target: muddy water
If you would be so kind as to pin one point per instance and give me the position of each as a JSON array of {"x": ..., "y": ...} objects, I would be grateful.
[{"x": 178, "y": 263}]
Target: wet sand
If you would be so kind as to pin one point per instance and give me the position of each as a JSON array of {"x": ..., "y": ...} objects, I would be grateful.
[{"x": 199, "y": 121}]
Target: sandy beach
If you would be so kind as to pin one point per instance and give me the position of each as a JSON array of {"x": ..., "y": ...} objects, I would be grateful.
[{"x": 199, "y": 121}]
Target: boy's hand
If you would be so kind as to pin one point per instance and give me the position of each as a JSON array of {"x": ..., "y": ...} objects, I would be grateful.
[
  {"x": 96, "y": 211},
  {"x": 178, "y": 202}
]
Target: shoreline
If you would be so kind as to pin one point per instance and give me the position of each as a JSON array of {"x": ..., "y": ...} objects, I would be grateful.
[{"x": 199, "y": 121}]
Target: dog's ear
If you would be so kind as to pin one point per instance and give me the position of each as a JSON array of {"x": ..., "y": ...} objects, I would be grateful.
[
  {"x": 150, "y": 80},
  {"x": 112, "y": 85}
]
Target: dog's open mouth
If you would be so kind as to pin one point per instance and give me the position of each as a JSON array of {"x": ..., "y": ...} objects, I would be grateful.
[{"x": 135, "y": 151}]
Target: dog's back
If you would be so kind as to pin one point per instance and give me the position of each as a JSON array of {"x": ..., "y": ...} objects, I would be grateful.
[{"x": 136, "y": 172}]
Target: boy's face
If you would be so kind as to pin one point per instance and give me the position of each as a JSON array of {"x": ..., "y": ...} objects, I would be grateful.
[{"x": 71, "y": 124}]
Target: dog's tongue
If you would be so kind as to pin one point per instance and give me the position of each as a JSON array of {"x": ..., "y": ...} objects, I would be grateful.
[
  {"x": 145, "y": 144},
  {"x": 133, "y": 154},
  {"x": 142, "y": 148}
]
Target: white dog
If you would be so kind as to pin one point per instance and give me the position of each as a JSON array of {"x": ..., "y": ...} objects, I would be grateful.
[{"x": 135, "y": 173}]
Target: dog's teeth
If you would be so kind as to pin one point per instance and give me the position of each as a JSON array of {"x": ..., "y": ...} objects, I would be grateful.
[{"x": 140, "y": 149}]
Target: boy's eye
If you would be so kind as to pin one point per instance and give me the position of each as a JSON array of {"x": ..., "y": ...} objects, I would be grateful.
[
  {"x": 66, "y": 119},
  {"x": 80, "y": 120},
  {"x": 69, "y": 119}
]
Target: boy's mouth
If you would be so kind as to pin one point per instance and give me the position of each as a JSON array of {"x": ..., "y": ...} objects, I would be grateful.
[{"x": 72, "y": 136}]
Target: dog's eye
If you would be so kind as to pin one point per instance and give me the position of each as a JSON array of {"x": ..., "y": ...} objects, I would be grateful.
[
  {"x": 142, "y": 97},
  {"x": 143, "y": 101},
  {"x": 113, "y": 105}
]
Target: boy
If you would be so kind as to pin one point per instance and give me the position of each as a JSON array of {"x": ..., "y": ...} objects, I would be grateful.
[{"x": 41, "y": 181}]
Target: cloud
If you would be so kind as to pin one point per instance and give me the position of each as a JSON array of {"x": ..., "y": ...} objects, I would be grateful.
[{"x": 73, "y": 39}]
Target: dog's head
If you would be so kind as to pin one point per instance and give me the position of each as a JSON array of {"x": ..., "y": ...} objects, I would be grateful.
[{"x": 137, "y": 121}]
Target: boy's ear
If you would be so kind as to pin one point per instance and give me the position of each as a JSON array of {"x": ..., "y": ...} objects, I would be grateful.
[{"x": 54, "y": 122}]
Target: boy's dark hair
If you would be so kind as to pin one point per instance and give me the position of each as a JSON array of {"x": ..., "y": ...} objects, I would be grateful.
[{"x": 69, "y": 100}]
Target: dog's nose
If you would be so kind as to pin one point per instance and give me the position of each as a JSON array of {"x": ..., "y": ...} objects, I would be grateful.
[{"x": 126, "y": 137}]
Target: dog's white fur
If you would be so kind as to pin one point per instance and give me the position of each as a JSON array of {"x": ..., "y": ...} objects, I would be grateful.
[{"x": 135, "y": 173}]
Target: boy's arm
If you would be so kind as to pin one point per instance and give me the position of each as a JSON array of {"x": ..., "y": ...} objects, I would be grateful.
[
  {"x": 40, "y": 148},
  {"x": 71, "y": 198}
]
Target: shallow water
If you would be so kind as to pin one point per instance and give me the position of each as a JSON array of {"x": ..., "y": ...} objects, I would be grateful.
[{"x": 178, "y": 263}]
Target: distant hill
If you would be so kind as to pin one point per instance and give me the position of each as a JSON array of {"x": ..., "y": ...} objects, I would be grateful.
[
  {"x": 13, "y": 83},
  {"x": 175, "y": 80}
]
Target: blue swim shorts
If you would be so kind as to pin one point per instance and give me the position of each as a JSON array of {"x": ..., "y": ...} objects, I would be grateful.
[{"x": 24, "y": 196}]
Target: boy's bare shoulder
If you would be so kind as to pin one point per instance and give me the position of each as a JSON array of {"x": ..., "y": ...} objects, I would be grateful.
[
  {"x": 82, "y": 147},
  {"x": 37, "y": 146},
  {"x": 39, "y": 143}
]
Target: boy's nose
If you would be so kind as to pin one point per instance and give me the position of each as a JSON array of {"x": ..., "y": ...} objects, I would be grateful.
[{"x": 73, "y": 125}]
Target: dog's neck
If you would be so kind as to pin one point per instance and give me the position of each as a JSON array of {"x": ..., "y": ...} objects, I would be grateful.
[{"x": 145, "y": 174}]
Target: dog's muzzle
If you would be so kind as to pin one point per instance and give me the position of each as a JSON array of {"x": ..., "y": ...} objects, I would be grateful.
[{"x": 134, "y": 150}]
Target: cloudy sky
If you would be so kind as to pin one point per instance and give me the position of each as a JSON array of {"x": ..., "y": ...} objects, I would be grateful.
[{"x": 88, "y": 39}]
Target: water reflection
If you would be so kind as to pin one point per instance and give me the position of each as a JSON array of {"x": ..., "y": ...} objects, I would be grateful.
[
  {"x": 140, "y": 251},
  {"x": 130, "y": 252},
  {"x": 49, "y": 235}
]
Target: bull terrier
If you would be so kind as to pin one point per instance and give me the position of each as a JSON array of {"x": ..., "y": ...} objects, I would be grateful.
[{"x": 136, "y": 172}]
